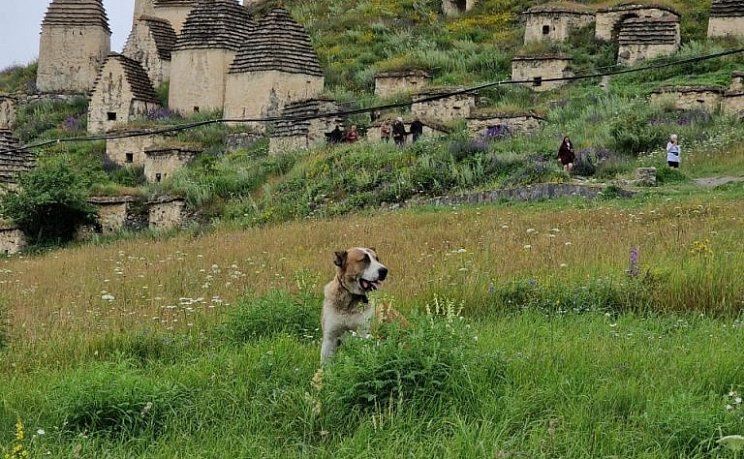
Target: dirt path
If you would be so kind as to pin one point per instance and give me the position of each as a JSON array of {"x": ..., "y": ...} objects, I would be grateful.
[{"x": 712, "y": 182}]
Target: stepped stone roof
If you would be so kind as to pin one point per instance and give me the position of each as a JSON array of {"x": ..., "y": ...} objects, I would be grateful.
[
  {"x": 76, "y": 13},
  {"x": 560, "y": 7},
  {"x": 13, "y": 162},
  {"x": 216, "y": 24},
  {"x": 174, "y": 3},
  {"x": 543, "y": 57},
  {"x": 689, "y": 89},
  {"x": 727, "y": 8},
  {"x": 136, "y": 77},
  {"x": 404, "y": 73},
  {"x": 637, "y": 6},
  {"x": 649, "y": 31},
  {"x": 163, "y": 34},
  {"x": 311, "y": 107},
  {"x": 278, "y": 43}
]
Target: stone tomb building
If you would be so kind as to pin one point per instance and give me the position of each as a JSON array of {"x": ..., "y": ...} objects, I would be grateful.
[
  {"x": 205, "y": 49},
  {"x": 125, "y": 151},
  {"x": 647, "y": 38},
  {"x": 162, "y": 161},
  {"x": 122, "y": 93},
  {"x": 404, "y": 81},
  {"x": 733, "y": 99},
  {"x": 275, "y": 66},
  {"x": 173, "y": 11},
  {"x": 537, "y": 69},
  {"x": 515, "y": 123},
  {"x": 291, "y": 135},
  {"x": 12, "y": 239},
  {"x": 119, "y": 213},
  {"x": 166, "y": 212},
  {"x": 609, "y": 20},
  {"x": 455, "y": 8},
  {"x": 8, "y": 111},
  {"x": 14, "y": 160},
  {"x": 75, "y": 40},
  {"x": 454, "y": 107},
  {"x": 706, "y": 98},
  {"x": 555, "y": 21},
  {"x": 726, "y": 19},
  {"x": 151, "y": 43}
]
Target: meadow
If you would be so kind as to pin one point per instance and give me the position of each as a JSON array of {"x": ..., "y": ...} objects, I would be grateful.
[{"x": 535, "y": 334}]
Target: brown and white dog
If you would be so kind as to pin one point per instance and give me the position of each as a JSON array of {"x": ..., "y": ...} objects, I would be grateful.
[{"x": 346, "y": 306}]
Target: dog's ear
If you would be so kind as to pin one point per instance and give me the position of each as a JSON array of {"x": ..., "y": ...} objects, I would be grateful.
[
  {"x": 373, "y": 249},
  {"x": 340, "y": 260}
]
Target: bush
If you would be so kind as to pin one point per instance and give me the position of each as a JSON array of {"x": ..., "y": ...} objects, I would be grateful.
[
  {"x": 665, "y": 175},
  {"x": 633, "y": 134},
  {"x": 51, "y": 204},
  {"x": 271, "y": 315},
  {"x": 112, "y": 400},
  {"x": 463, "y": 149}
]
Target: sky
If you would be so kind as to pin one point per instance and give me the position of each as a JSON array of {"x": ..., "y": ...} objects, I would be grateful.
[{"x": 20, "y": 25}]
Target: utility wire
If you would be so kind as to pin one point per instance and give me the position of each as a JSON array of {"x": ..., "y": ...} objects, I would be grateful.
[{"x": 344, "y": 113}]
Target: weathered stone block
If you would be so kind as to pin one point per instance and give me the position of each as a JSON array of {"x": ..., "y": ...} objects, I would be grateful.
[
  {"x": 12, "y": 239},
  {"x": 706, "y": 98},
  {"x": 167, "y": 213},
  {"x": 555, "y": 22},
  {"x": 645, "y": 176},
  {"x": 450, "y": 108},
  {"x": 162, "y": 162},
  {"x": 538, "y": 69},
  {"x": 405, "y": 81}
]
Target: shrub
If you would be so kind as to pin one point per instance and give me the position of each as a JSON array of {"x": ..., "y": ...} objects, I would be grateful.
[
  {"x": 51, "y": 204},
  {"x": 632, "y": 133},
  {"x": 112, "y": 400},
  {"x": 666, "y": 175},
  {"x": 271, "y": 315},
  {"x": 462, "y": 149}
]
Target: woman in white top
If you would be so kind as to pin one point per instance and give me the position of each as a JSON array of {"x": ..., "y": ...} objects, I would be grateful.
[{"x": 673, "y": 152}]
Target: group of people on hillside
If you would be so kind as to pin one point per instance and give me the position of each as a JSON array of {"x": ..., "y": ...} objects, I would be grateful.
[
  {"x": 567, "y": 156},
  {"x": 395, "y": 131}
]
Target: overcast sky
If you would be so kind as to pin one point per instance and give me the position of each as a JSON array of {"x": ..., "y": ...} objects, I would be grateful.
[{"x": 20, "y": 24}]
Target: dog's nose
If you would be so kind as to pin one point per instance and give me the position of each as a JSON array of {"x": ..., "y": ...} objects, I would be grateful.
[{"x": 383, "y": 273}]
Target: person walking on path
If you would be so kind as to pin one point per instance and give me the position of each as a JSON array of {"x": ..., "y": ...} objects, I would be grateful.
[
  {"x": 399, "y": 132},
  {"x": 417, "y": 129},
  {"x": 673, "y": 152},
  {"x": 566, "y": 155}
]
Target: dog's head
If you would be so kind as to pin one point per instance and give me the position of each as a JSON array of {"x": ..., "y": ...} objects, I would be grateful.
[{"x": 360, "y": 270}]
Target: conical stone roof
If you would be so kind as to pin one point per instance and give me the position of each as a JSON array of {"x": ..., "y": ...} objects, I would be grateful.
[
  {"x": 76, "y": 13},
  {"x": 13, "y": 162},
  {"x": 278, "y": 43},
  {"x": 727, "y": 8},
  {"x": 215, "y": 24},
  {"x": 163, "y": 34},
  {"x": 136, "y": 77}
]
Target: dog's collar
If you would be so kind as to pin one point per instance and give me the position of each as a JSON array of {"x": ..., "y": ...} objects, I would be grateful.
[{"x": 354, "y": 297}]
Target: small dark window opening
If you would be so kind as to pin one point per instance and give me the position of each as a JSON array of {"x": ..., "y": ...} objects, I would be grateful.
[
  {"x": 700, "y": 101},
  {"x": 130, "y": 158},
  {"x": 6, "y": 252},
  {"x": 111, "y": 116},
  {"x": 537, "y": 81},
  {"x": 158, "y": 177},
  {"x": 546, "y": 30},
  {"x": 461, "y": 5},
  {"x": 196, "y": 109}
]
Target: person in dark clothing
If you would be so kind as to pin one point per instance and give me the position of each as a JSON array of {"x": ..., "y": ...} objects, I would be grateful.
[
  {"x": 399, "y": 132},
  {"x": 352, "y": 135},
  {"x": 417, "y": 129},
  {"x": 385, "y": 132},
  {"x": 566, "y": 155},
  {"x": 335, "y": 136}
]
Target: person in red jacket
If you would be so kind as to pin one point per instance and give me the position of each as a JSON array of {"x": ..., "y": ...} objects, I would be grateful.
[{"x": 352, "y": 135}]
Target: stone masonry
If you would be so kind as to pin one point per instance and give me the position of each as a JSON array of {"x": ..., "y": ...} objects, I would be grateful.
[
  {"x": 457, "y": 7},
  {"x": 211, "y": 36},
  {"x": 726, "y": 19},
  {"x": 733, "y": 99},
  {"x": 174, "y": 11},
  {"x": 12, "y": 239},
  {"x": 128, "y": 151},
  {"x": 290, "y": 135},
  {"x": 647, "y": 38},
  {"x": 122, "y": 93},
  {"x": 432, "y": 129},
  {"x": 151, "y": 43},
  {"x": 161, "y": 162},
  {"x": 14, "y": 160},
  {"x": 404, "y": 81},
  {"x": 523, "y": 123},
  {"x": 166, "y": 213},
  {"x": 276, "y": 65},
  {"x": 443, "y": 110},
  {"x": 706, "y": 98},
  {"x": 609, "y": 20},
  {"x": 539, "y": 68},
  {"x": 8, "y": 111},
  {"x": 75, "y": 40},
  {"x": 554, "y": 22},
  {"x": 119, "y": 213}
]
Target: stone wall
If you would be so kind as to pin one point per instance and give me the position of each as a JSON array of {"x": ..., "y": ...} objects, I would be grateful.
[
  {"x": 726, "y": 19},
  {"x": 607, "y": 21},
  {"x": 737, "y": 81},
  {"x": 546, "y": 25},
  {"x": 162, "y": 162},
  {"x": 451, "y": 108},
  {"x": 8, "y": 111},
  {"x": 143, "y": 8},
  {"x": 119, "y": 213},
  {"x": 259, "y": 95},
  {"x": 642, "y": 39},
  {"x": 176, "y": 15},
  {"x": 12, "y": 240},
  {"x": 198, "y": 79},
  {"x": 143, "y": 48},
  {"x": 546, "y": 67},
  {"x": 242, "y": 140},
  {"x": 391, "y": 83},
  {"x": 118, "y": 151},
  {"x": 166, "y": 213},
  {"x": 454, "y": 8},
  {"x": 733, "y": 103},
  {"x": 689, "y": 98},
  {"x": 301, "y": 134},
  {"x": 69, "y": 57},
  {"x": 517, "y": 123}
]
